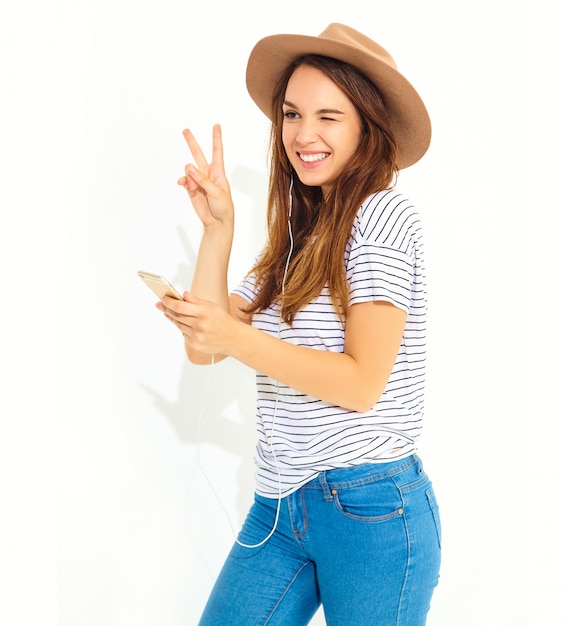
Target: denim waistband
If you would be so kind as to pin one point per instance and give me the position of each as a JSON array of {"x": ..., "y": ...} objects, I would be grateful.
[{"x": 361, "y": 474}]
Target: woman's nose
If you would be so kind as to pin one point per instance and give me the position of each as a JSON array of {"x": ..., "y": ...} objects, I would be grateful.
[{"x": 306, "y": 132}]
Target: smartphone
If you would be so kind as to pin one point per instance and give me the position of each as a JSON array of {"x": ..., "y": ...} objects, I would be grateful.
[{"x": 159, "y": 285}]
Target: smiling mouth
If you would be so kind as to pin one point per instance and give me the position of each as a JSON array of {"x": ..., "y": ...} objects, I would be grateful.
[{"x": 313, "y": 158}]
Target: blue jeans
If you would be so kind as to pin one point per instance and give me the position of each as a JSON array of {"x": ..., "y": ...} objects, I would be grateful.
[{"x": 364, "y": 541}]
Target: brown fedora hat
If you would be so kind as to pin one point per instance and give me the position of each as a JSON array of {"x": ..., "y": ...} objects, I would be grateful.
[{"x": 409, "y": 117}]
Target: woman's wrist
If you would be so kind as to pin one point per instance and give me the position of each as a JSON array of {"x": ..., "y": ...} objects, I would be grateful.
[{"x": 220, "y": 232}]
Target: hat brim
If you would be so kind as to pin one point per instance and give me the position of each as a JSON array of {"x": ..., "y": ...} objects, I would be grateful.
[{"x": 408, "y": 116}]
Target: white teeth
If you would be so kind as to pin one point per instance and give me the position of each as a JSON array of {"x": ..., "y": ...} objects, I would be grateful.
[{"x": 310, "y": 158}]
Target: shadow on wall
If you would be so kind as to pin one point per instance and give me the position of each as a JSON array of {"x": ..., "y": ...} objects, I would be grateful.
[
  {"x": 226, "y": 392},
  {"x": 228, "y": 415}
]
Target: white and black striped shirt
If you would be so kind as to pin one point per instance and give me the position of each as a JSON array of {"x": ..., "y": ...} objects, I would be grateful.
[{"x": 299, "y": 435}]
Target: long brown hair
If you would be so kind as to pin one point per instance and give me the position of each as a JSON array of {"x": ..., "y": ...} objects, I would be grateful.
[{"x": 321, "y": 226}]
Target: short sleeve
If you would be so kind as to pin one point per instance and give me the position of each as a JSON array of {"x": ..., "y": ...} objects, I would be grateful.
[
  {"x": 246, "y": 288},
  {"x": 380, "y": 256},
  {"x": 379, "y": 273}
]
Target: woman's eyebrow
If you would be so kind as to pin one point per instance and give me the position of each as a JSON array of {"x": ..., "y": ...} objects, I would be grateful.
[{"x": 320, "y": 112}]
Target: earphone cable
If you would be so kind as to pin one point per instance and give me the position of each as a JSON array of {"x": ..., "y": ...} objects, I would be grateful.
[{"x": 269, "y": 440}]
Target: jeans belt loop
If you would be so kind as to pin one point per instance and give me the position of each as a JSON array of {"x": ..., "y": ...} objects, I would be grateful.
[{"x": 325, "y": 487}]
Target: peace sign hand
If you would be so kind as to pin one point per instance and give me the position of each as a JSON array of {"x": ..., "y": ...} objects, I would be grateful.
[{"x": 207, "y": 184}]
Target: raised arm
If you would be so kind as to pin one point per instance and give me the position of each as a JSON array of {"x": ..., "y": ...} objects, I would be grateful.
[{"x": 209, "y": 191}]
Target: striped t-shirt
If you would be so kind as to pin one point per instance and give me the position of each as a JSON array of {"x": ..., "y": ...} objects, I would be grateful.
[{"x": 299, "y": 435}]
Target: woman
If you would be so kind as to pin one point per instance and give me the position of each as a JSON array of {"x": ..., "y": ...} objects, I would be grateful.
[{"x": 332, "y": 318}]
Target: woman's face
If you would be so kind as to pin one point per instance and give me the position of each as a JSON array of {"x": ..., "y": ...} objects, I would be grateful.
[{"x": 321, "y": 127}]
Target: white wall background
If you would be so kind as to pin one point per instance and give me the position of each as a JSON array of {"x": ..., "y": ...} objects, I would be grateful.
[{"x": 96, "y": 95}]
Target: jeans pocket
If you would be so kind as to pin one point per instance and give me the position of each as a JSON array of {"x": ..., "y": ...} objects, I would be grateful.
[
  {"x": 435, "y": 513},
  {"x": 371, "y": 502}
]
